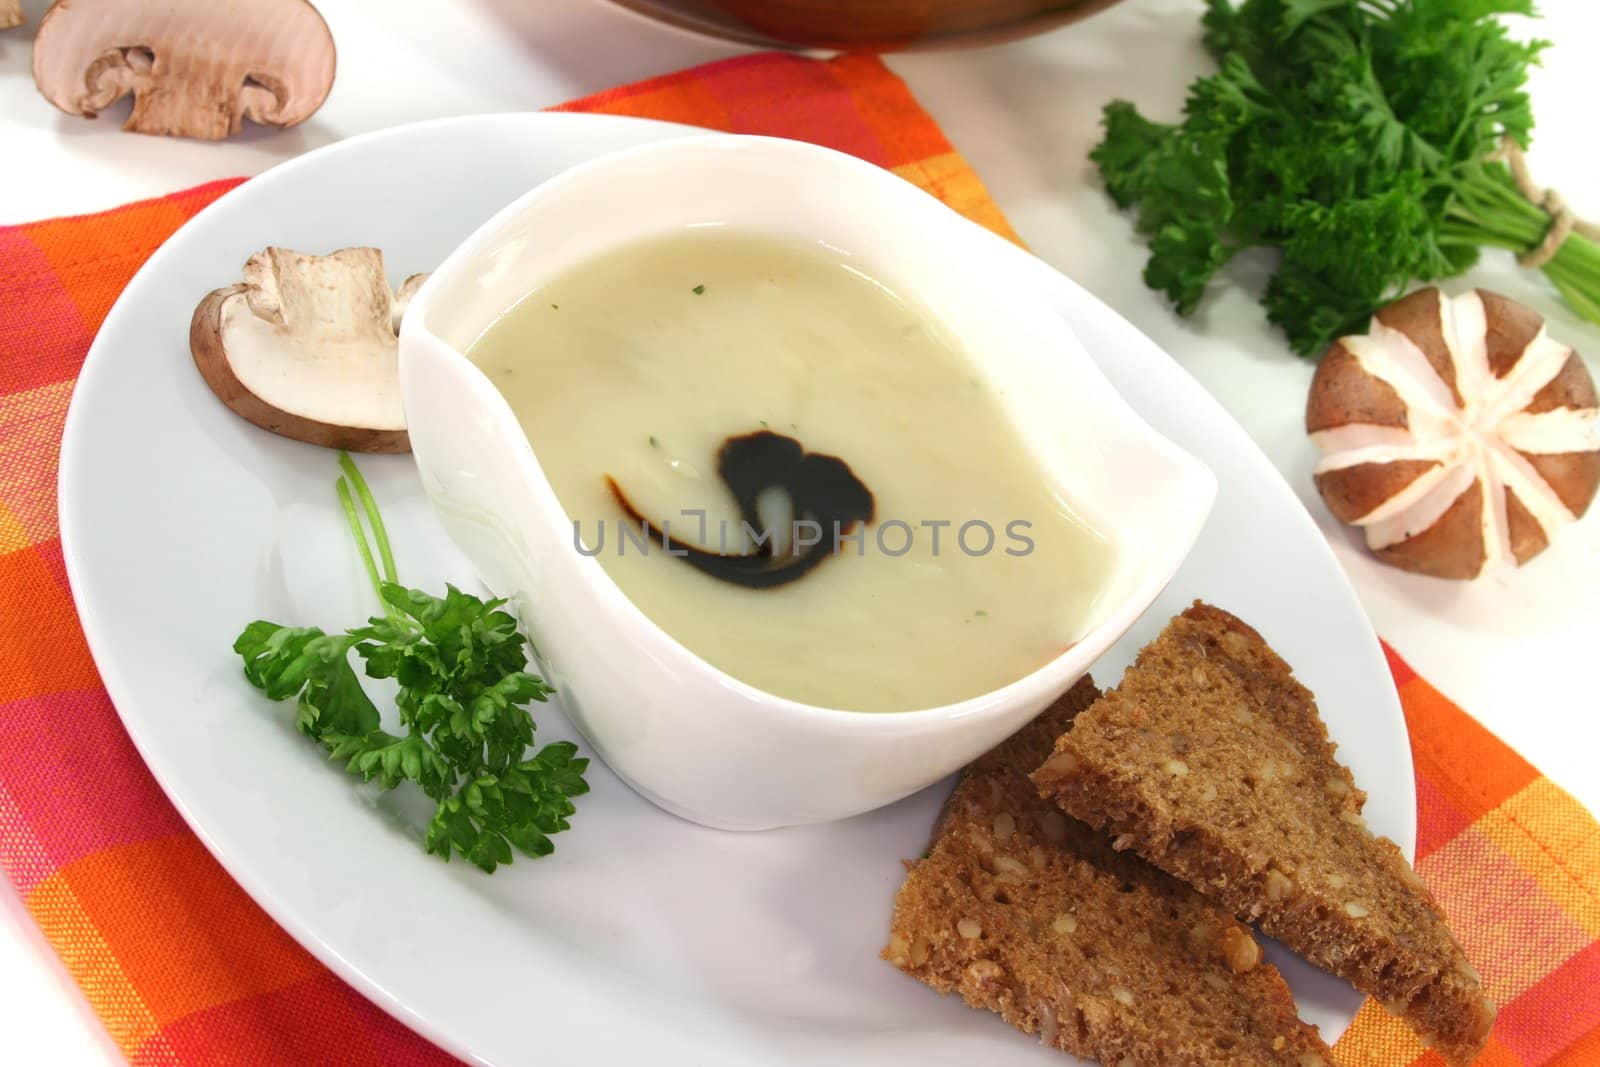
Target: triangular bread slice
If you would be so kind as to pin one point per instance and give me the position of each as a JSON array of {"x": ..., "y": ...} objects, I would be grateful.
[
  {"x": 1210, "y": 761},
  {"x": 1032, "y": 915}
]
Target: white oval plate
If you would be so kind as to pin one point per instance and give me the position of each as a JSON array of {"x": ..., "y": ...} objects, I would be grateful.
[{"x": 643, "y": 935}]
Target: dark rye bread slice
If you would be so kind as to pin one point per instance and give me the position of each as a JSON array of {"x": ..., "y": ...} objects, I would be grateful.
[
  {"x": 1210, "y": 761},
  {"x": 1032, "y": 915}
]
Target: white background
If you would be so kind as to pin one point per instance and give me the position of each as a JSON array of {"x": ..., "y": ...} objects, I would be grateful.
[{"x": 1517, "y": 649}]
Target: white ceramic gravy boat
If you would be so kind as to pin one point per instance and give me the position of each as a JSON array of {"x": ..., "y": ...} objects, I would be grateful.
[{"x": 691, "y": 738}]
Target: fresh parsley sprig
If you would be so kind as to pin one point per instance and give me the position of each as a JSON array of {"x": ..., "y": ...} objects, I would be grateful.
[
  {"x": 1357, "y": 138},
  {"x": 460, "y": 664}
]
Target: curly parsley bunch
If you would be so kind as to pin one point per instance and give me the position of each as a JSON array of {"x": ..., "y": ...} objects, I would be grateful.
[{"x": 1359, "y": 138}]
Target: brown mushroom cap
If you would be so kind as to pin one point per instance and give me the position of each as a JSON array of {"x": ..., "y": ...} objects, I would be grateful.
[
  {"x": 1456, "y": 433},
  {"x": 195, "y": 67},
  {"x": 306, "y": 347}
]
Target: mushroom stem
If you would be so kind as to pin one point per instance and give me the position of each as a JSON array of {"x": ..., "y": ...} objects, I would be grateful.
[
  {"x": 195, "y": 68},
  {"x": 306, "y": 346},
  {"x": 188, "y": 94}
]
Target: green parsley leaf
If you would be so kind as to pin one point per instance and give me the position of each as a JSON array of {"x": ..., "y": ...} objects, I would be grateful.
[
  {"x": 460, "y": 664},
  {"x": 1354, "y": 138}
]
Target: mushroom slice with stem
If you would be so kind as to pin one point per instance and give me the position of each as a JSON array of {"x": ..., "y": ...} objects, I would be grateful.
[
  {"x": 196, "y": 68},
  {"x": 306, "y": 347}
]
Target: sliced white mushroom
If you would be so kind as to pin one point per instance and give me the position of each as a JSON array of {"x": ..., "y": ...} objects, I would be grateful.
[
  {"x": 196, "y": 68},
  {"x": 11, "y": 14},
  {"x": 306, "y": 347},
  {"x": 402, "y": 298}
]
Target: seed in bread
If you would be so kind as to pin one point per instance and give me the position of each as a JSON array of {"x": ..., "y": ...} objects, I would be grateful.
[
  {"x": 1032, "y": 915},
  {"x": 1264, "y": 821}
]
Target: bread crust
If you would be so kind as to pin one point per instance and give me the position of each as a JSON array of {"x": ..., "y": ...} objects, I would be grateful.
[
  {"x": 1035, "y": 916},
  {"x": 1263, "y": 820}
]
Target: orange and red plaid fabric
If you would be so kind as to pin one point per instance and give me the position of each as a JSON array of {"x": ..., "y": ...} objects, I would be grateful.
[{"x": 182, "y": 966}]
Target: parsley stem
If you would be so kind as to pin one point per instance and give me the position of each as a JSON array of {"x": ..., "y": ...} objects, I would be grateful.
[
  {"x": 354, "y": 519},
  {"x": 1586, "y": 305},
  {"x": 374, "y": 519},
  {"x": 1486, "y": 208}
]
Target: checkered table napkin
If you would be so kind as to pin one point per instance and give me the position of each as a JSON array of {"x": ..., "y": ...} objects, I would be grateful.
[{"x": 184, "y": 969}]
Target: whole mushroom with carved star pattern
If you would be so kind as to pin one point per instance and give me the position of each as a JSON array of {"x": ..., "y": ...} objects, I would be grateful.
[{"x": 1456, "y": 433}]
